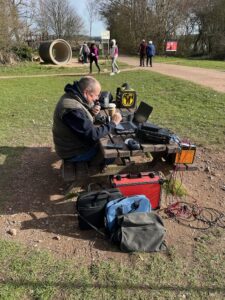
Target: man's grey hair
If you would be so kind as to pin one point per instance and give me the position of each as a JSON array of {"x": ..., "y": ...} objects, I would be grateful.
[{"x": 88, "y": 83}]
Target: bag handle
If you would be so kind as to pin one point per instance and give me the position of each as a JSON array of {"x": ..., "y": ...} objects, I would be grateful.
[
  {"x": 100, "y": 193},
  {"x": 130, "y": 175},
  {"x": 139, "y": 175},
  {"x": 93, "y": 183}
]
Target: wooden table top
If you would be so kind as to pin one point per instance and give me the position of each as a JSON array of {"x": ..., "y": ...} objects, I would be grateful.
[{"x": 114, "y": 138}]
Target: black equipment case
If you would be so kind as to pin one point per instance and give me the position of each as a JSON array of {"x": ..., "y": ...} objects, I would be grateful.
[
  {"x": 154, "y": 134},
  {"x": 91, "y": 206}
]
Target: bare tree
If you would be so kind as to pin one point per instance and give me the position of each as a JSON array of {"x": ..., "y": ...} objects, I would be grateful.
[
  {"x": 92, "y": 10},
  {"x": 59, "y": 18}
]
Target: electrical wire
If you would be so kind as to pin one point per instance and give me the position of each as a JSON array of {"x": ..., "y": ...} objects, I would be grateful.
[
  {"x": 195, "y": 216},
  {"x": 191, "y": 214}
]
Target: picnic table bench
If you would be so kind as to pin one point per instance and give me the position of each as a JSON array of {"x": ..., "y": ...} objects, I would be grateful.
[{"x": 124, "y": 157}]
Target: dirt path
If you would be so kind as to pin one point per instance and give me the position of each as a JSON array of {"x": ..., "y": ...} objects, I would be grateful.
[{"x": 206, "y": 77}]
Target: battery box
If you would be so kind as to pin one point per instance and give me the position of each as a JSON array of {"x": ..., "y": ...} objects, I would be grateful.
[
  {"x": 186, "y": 155},
  {"x": 126, "y": 98}
]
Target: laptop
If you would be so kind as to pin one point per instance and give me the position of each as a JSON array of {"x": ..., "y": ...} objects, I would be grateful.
[{"x": 141, "y": 115}]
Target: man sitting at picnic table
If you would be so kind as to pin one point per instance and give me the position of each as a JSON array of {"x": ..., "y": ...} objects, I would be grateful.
[{"x": 74, "y": 134}]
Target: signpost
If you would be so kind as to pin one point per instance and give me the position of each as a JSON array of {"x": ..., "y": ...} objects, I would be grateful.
[{"x": 105, "y": 37}]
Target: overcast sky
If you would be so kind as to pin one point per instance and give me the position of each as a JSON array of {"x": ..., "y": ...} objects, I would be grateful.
[{"x": 97, "y": 28}]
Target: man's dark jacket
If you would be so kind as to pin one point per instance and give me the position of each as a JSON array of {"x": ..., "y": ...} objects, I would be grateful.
[{"x": 73, "y": 130}]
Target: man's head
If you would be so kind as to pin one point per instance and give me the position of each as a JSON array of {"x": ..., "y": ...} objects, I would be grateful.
[
  {"x": 150, "y": 42},
  {"x": 90, "y": 88}
]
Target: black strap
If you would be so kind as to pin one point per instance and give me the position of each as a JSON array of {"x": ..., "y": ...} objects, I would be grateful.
[{"x": 92, "y": 226}]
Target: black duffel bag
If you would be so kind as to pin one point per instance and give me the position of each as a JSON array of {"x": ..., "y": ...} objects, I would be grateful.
[{"x": 90, "y": 206}]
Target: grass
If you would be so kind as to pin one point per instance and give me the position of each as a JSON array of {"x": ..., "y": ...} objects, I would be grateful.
[
  {"x": 25, "y": 120},
  {"x": 191, "y": 111},
  {"x": 175, "y": 187},
  {"x": 30, "y": 274},
  {"x": 35, "y": 68},
  {"x": 192, "y": 62}
]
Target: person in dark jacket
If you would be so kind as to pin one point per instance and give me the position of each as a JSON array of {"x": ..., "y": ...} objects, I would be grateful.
[
  {"x": 74, "y": 134},
  {"x": 142, "y": 53},
  {"x": 150, "y": 52},
  {"x": 94, "y": 57}
]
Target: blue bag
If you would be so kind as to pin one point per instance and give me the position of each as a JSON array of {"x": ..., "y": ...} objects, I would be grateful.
[{"x": 123, "y": 206}]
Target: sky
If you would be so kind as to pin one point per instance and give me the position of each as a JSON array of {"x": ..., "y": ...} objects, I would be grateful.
[{"x": 97, "y": 27}]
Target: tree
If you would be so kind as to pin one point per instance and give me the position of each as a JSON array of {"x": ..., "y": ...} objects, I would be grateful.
[
  {"x": 210, "y": 21},
  {"x": 59, "y": 18},
  {"x": 11, "y": 27},
  {"x": 92, "y": 10},
  {"x": 138, "y": 19}
]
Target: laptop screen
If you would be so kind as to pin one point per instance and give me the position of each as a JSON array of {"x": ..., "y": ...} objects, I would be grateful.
[
  {"x": 140, "y": 116},
  {"x": 142, "y": 113}
]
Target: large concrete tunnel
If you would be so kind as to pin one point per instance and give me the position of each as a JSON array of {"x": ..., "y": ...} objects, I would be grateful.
[{"x": 56, "y": 52}]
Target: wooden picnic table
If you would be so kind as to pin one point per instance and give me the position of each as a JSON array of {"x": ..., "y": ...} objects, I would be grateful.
[
  {"x": 156, "y": 150},
  {"x": 125, "y": 158}
]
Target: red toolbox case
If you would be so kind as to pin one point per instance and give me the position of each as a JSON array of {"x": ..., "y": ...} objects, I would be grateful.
[{"x": 148, "y": 184}]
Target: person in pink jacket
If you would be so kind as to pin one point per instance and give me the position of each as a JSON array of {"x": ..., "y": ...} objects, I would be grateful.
[
  {"x": 94, "y": 57},
  {"x": 114, "y": 54}
]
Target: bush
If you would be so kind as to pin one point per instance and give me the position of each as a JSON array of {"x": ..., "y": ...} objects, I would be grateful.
[
  {"x": 7, "y": 57},
  {"x": 23, "y": 52}
]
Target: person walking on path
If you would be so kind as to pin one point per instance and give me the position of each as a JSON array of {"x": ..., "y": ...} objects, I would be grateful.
[
  {"x": 84, "y": 52},
  {"x": 94, "y": 57},
  {"x": 114, "y": 55},
  {"x": 142, "y": 53},
  {"x": 150, "y": 51}
]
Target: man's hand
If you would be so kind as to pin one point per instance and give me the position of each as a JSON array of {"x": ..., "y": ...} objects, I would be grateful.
[
  {"x": 116, "y": 118},
  {"x": 96, "y": 110}
]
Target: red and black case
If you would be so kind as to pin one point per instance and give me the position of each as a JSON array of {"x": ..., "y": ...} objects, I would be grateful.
[{"x": 148, "y": 184}]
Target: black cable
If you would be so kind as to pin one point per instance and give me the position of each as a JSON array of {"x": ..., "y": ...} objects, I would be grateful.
[{"x": 194, "y": 216}]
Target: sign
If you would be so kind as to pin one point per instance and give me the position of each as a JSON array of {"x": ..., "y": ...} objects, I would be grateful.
[
  {"x": 128, "y": 99},
  {"x": 171, "y": 46},
  {"x": 105, "y": 35}
]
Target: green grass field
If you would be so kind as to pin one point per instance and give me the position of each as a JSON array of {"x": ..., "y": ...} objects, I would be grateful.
[
  {"x": 192, "y": 62},
  {"x": 193, "y": 112}
]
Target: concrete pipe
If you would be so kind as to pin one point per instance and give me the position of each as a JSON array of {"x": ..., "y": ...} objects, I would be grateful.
[{"x": 56, "y": 52}]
